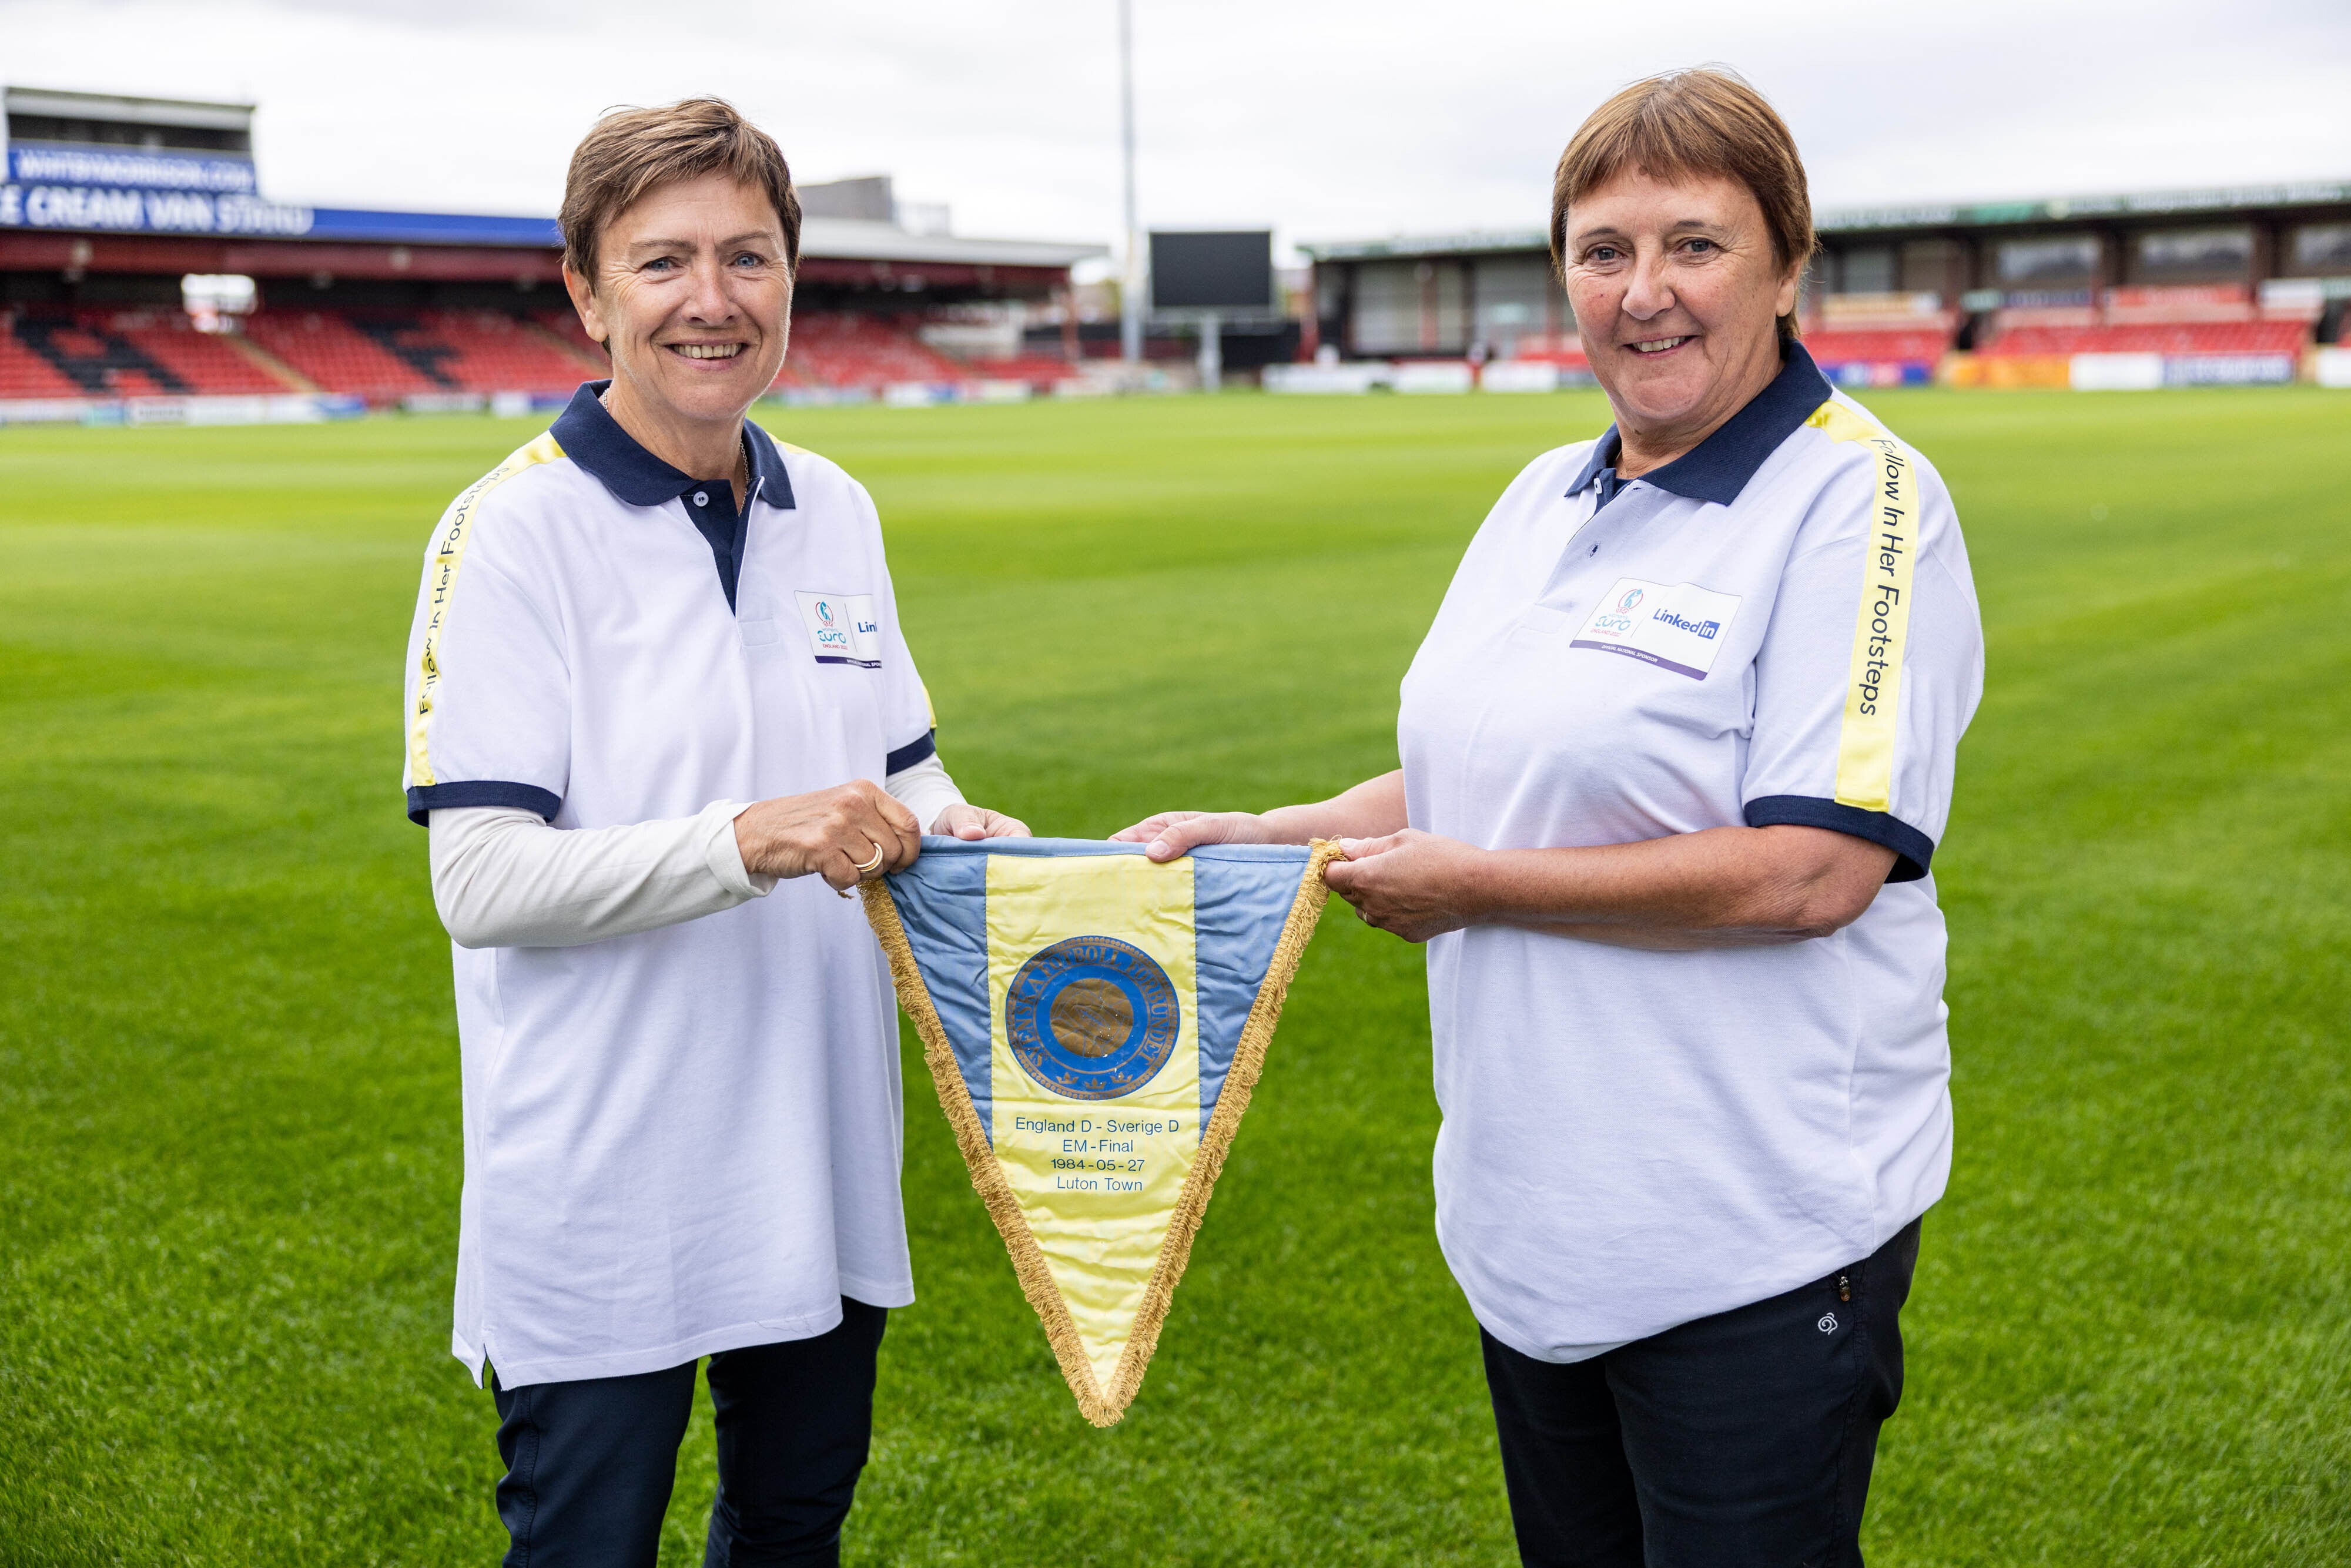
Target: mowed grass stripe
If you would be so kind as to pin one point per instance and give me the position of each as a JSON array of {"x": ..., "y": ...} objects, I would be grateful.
[{"x": 228, "y": 1129}]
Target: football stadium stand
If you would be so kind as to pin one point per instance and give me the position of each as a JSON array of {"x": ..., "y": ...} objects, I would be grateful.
[
  {"x": 1565, "y": 350},
  {"x": 2184, "y": 338},
  {"x": 848, "y": 351},
  {"x": 2204, "y": 286},
  {"x": 137, "y": 353},
  {"x": 421, "y": 309},
  {"x": 1040, "y": 371}
]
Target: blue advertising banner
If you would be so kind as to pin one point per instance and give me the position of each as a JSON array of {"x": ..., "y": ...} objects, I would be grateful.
[
  {"x": 238, "y": 213},
  {"x": 129, "y": 168}
]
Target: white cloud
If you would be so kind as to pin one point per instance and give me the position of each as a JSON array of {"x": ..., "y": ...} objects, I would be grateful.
[{"x": 1327, "y": 119}]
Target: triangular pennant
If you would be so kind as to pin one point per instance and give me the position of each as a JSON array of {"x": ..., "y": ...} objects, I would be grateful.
[{"x": 1094, "y": 1023}]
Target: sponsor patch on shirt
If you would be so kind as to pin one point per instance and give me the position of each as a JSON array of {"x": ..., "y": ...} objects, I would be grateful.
[
  {"x": 1676, "y": 626},
  {"x": 841, "y": 628}
]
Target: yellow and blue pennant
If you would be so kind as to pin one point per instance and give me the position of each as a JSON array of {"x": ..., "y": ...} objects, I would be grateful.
[{"x": 1095, "y": 1023}]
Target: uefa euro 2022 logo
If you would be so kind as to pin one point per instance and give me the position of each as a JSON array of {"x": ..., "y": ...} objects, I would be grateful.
[
  {"x": 1619, "y": 621},
  {"x": 824, "y": 611},
  {"x": 1092, "y": 1017}
]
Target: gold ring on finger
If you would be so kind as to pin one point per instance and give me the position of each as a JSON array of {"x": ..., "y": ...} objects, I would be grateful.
[{"x": 869, "y": 867}]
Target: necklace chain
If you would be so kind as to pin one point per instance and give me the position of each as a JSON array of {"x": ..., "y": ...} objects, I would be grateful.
[{"x": 742, "y": 474}]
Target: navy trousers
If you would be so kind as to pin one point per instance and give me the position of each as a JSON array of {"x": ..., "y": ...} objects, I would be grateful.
[
  {"x": 589, "y": 1465},
  {"x": 1742, "y": 1441}
]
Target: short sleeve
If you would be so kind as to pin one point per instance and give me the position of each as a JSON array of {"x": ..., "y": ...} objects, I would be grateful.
[
  {"x": 909, "y": 727},
  {"x": 1841, "y": 740},
  {"x": 488, "y": 709}
]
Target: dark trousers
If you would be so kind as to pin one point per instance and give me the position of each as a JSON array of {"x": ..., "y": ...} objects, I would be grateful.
[
  {"x": 1745, "y": 1438},
  {"x": 589, "y": 1464}
]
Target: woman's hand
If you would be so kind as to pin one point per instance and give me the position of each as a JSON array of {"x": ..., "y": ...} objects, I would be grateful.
[
  {"x": 1414, "y": 884},
  {"x": 832, "y": 833},
  {"x": 1171, "y": 833},
  {"x": 973, "y": 822}
]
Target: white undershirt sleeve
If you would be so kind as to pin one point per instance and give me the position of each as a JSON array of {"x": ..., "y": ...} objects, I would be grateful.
[
  {"x": 924, "y": 790},
  {"x": 502, "y": 877}
]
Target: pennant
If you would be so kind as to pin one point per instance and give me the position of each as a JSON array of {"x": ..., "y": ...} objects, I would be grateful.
[{"x": 1094, "y": 1024}]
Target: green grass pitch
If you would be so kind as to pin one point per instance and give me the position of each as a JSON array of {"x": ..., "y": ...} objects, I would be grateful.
[{"x": 229, "y": 1071}]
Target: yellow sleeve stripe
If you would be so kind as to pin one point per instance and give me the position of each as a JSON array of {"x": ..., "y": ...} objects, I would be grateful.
[
  {"x": 1881, "y": 625},
  {"x": 447, "y": 556}
]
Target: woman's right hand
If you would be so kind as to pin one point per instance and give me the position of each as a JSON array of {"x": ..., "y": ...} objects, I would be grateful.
[
  {"x": 832, "y": 833},
  {"x": 1171, "y": 833}
]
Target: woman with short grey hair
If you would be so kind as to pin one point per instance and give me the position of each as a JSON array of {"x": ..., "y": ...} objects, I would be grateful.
[
  {"x": 1676, "y": 753},
  {"x": 662, "y": 719}
]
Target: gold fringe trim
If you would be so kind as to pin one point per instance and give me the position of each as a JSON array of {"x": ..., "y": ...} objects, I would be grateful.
[
  {"x": 987, "y": 1176},
  {"x": 1102, "y": 1406}
]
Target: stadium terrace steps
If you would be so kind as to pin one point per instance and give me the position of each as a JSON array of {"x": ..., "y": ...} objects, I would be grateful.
[
  {"x": 581, "y": 352},
  {"x": 564, "y": 327},
  {"x": 209, "y": 363},
  {"x": 269, "y": 364},
  {"x": 387, "y": 355},
  {"x": 324, "y": 346}
]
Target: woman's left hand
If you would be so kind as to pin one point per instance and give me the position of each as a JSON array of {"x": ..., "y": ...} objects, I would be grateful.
[
  {"x": 972, "y": 822},
  {"x": 1415, "y": 884}
]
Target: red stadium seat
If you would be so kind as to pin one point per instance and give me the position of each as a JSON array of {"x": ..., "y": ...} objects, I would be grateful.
[
  {"x": 26, "y": 373},
  {"x": 324, "y": 346},
  {"x": 491, "y": 352},
  {"x": 845, "y": 351},
  {"x": 125, "y": 353},
  {"x": 1037, "y": 369},
  {"x": 1565, "y": 350},
  {"x": 386, "y": 355},
  {"x": 2179, "y": 338},
  {"x": 1879, "y": 346},
  {"x": 208, "y": 363}
]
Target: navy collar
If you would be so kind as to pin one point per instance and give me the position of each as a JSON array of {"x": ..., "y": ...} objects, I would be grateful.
[
  {"x": 592, "y": 438},
  {"x": 1717, "y": 468}
]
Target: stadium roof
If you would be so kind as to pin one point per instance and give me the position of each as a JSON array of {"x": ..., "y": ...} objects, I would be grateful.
[
  {"x": 2206, "y": 202},
  {"x": 100, "y": 165},
  {"x": 866, "y": 239}
]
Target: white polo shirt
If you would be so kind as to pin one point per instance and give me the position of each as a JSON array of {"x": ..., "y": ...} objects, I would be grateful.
[
  {"x": 686, "y": 1140},
  {"x": 1778, "y": 627}
]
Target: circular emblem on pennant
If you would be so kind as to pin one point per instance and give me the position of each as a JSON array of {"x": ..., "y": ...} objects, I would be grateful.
[{"x": 1092, "y": 1017}]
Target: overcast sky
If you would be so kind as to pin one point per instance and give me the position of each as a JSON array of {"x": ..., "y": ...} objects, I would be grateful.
[{"x": 1327, "y": 120}]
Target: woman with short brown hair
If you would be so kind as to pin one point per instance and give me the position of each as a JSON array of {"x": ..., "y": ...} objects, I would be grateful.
[
  {"x": 1675, "y": 755},
  {"x": 661, "y": 719}
]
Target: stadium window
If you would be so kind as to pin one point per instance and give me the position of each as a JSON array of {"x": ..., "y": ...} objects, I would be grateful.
[
  {"x": 2072, "y": 260},
  {"x": 1508, "y": 301},
  {"x": 1387, "y": 309},
  {"x": 126, "y": 133},
  {"x": 2323, "y": 248},
  {"x": 215, "y": 300},
  {"x": 1869, "y": 270},
  {"x": 2196, "y": 254}
]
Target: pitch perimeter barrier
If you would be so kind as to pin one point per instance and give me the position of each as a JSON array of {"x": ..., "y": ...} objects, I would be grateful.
[{"x": 292, "y": 408}]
